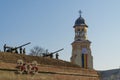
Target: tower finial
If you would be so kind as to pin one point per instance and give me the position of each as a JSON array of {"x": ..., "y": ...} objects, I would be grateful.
[{"x": 80, "y": 12}]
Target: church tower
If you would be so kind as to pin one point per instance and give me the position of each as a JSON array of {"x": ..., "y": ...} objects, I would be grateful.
[{"x": 81, "y": 51}]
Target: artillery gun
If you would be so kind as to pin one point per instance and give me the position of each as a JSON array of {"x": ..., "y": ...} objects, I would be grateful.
[
  {"x": 14, "y": 49},
  {"x": 51, "y": 54}
]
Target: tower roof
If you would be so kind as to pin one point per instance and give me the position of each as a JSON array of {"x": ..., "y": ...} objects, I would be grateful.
[{"x": 80, "y": 21}]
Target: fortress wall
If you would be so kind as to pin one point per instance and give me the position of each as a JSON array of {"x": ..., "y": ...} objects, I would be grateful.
[
  {"x": 61, "y": 71},
  {"x": 8, "y": 75},
  {"x": 8, "y": 72}
]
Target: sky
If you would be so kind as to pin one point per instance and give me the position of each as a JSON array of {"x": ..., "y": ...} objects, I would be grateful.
[{"x": 49, "y": 24}]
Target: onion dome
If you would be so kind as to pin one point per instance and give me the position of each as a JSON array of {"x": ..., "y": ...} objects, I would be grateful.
[{"x": 80, "y": 21}]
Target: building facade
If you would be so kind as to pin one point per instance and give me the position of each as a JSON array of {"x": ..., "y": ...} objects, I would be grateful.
[{"x": 81, "y": 51}]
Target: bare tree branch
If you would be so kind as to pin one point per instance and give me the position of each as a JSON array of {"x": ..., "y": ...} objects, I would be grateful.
[{"x": 37, "y": 51}]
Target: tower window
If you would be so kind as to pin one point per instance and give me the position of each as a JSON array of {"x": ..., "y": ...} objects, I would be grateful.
[{"x": 82, "y": 29}]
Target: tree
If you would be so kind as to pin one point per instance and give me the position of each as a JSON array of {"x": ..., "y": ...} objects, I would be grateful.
[{"x": 37, "y": 51}]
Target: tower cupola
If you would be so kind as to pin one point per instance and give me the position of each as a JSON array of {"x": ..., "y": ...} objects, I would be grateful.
[{"x": 80, "y": 21}]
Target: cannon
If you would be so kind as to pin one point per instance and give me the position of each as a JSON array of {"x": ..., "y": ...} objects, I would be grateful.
[
  {"x": 51, "y": 54},
  {"x": 14, "y": 49}
]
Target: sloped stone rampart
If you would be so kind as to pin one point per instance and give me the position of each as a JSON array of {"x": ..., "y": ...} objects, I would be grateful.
[{"x": 46, "y": 71}]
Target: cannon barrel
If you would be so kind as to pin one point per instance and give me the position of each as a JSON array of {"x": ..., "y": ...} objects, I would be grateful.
[
  {"x": 57, "y": 51},
  {"x": 11, "y": 49},
  {"x": 21, "y": 46},
  {"x": 45, "y": 55}
]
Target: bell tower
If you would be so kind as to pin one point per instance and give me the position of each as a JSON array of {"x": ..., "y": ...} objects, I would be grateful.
[{"x": 81, "y": 51}]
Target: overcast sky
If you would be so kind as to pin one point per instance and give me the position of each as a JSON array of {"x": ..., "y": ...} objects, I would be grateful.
[{"x": 49, "y": 24}]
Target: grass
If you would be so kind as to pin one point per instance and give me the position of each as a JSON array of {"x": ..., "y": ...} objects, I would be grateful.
[{"x": 12, "y": 58}]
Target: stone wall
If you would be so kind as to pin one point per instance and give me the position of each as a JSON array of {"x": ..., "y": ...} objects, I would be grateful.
[{"x": 61, "y": 71}]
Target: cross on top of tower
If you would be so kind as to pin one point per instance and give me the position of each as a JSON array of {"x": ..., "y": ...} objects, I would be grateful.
[{"x": 80, "y": 12}]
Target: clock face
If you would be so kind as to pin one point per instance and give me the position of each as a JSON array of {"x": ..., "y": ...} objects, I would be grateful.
[{"x": 84, "y": 51}]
